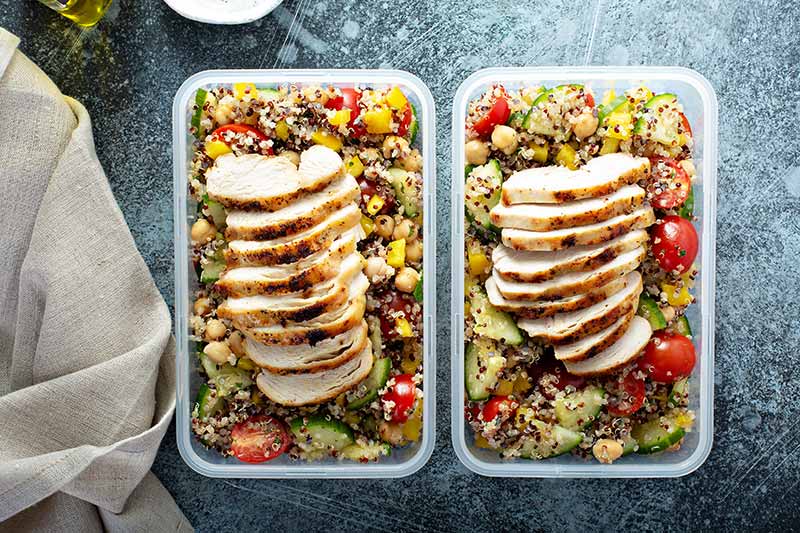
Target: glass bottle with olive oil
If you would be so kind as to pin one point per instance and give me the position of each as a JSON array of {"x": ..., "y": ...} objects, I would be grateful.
[{"x": 84, "y": 13}]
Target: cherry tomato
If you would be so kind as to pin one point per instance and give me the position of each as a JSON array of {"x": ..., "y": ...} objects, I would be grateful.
[
  {"x": 502, "y": 406},
  {"x": 391, "y": 302},
  {"x": 259, "y": 439},
  {"x": 589, "y": 99},
  {"x": 497, "y": 114},
  {"x": 349, "y": 99},
  {"x": 563, "y": 379},
  {"x": 626, "y": 394},
  {"x": 241, "y": 128},
  {"x": 369, "y": 189},
  {"x": 668, "y": 357},
  {"x": 686, "y": 125},
  {"x": 672, "y": 180},
  {"x": 405, "y": 121},
  {"x": 403, "y": 393},
  {"x": 675, "y": 243}
]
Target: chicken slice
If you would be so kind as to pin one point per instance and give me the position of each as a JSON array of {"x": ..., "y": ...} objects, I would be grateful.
[
  {"x": 535, "y": 266},
  {"x": 305, "y": 213},
  {"x": 307, "y": 388},
  {"x": 571, "y": 283},
  {"x": 566, "y": 328},
  {"x": 594, "y": 343},
  {"x": 627, "y": 348},
  {"x": 549, "y": 217},
  {"x": 520, "y": 239},
  {"x": 551, "y": 185}
]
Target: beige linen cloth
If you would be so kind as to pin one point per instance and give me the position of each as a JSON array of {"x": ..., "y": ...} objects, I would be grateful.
[{"x": 87, "y": 380}]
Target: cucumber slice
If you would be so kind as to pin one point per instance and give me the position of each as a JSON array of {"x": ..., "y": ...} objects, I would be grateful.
[
  {"x": 687, "y": 209},
  {"x": 679, "y": 396},
  {"x": 682, "y": 326},
  {"x": 199, "y": 100},
  {"x": 629, "y": 445},
  {"x": 482, "y": 192},
  {"x": 208, "y": 402},
  {"x": 618, "y": 104},
  {"x": 551, "y": 103},
  {"x": 215, "y": 211},
  {"x": 657, "y": 435},
  {"x": 491, "y": 322},
  {"x": 405, "y": 190},
  {"x": 516, "y": 118},
  {"x": 375, "y": 381},
  {"x": 659, "y": 120},
  {"x": 212, "y": 271},
  {"x": 482, "y": 353},
  {"x": 550, "y": 440},
  {"x": 227, "y": 379},
  {"x": 648, "y": 309},
  {"x": 268, "y": 93},
  {"x": 321, "y": 431},
  {"x": 578, "y": 410},
  {"x": 467, "y": 170},
  {"x": 366, "y": 453},
  {"x": 413, "y": 128}
]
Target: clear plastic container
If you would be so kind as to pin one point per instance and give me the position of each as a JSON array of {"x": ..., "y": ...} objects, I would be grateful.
[
  {"x": 700, "y": 106},
  {"x": 402, "y": 461}
]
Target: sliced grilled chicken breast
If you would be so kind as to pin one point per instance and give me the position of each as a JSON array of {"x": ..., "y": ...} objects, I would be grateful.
[
  {"x": 313, "y": 331},
  {"x": 571, "y": 283},
  {"x": 520, "y": 239},
  {"x": 294, "y": 247},
  {"x": 254, "y": 181},
  {"x": 551, "y": 185},
  {"x": 297, "y": 217},
  {"x": 549, "y": 217},
  {"x": 308, "y": 388},
  {"x": 288, "y": 278},
  {"x": 565, "y": 328},
  {"x": 594, "y": 343},
  {"x": 541, "y": 309},
  {"x": 627, "y": 348},
  {"x": 521, "y": 265},
  {"x": 305, "y": 358}
]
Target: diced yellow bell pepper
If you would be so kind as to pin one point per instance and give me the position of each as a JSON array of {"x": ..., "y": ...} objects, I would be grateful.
[
  {"x": 367, "y": 224},
  {"x": 375, "y": 204},
  {"x": 481, "y": 442},
  {"x": 327, "y": 139},
  {"x": 396, "y": 253},
  {"x": 684, "y": 420},
  {"x": 245, "y": 364},
  {"x": 567, "y": 157},
  {"x": 408, "y": 365},
  {"x": 412, "y": 429},
  {"x": 610, "y": 146},
  {"x": 478, "y": 263},
  {"x": 214, "y": 149},
  {"x": 677, "y": 297},
  {"x": 521, "y": 384},
  {"x": 378, "y": 120},
  {"x": 396, "y": 99},
  {"x": 340, "y": 117},
  {"x": 539, "y": 152},
  {"x": 282, "y": 130},
  {"x": 240, "y": 90},
  {"x": 403, "y": 327},
  {"x": 620, "y": 125},
  {"x": 608, "y": 97},
  {"x": 504, "y": 387},
  {"x": 355, "y": 167}
]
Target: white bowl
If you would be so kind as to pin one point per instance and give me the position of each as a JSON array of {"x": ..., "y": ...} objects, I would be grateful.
[{"x": 223, "y": 11}]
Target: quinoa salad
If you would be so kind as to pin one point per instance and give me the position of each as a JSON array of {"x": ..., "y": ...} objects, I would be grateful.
[
  {"x": 308, "y": 248},
  {"x": 580, "y": 253}
]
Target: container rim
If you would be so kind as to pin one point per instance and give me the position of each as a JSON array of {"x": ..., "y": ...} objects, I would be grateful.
[
  {"x": 541, "y": 469},
  {"x": 298, "y": 469}
]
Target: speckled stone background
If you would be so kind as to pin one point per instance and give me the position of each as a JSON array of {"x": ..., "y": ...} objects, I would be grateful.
[{"x": 127, "y": 71}]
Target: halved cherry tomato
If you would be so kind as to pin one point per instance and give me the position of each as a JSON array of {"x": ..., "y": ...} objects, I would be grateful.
[
  {"x": 241, "y": 128},
  {"x": 499, "y": 406},
  {"x": 672, "y": 180},
  {"x": 403, "y": 393},
  {"x": 259, "y": 439},
  {"x": 563, "y": 379},
  {"x": 349, "y": 99},
  {"x": 686, "y": 125},
  {"x": 668, "y": 357},
  {"x": 405, "y": 121},
  {"x": 497, "y": 114},
  {"x": 675, "y": 243},
  {"x": 626, "y": 394},
  {"x": 392, "y": 302},
  {"x": 589, "y": 99}
]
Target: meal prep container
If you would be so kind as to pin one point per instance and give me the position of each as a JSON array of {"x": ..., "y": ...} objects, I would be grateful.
[
  {"x": 402, "y": 461},
  {"x": 700, "y": 106}
]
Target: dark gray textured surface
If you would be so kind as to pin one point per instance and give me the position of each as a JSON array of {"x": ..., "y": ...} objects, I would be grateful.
[{"x": 128, "y": 70}]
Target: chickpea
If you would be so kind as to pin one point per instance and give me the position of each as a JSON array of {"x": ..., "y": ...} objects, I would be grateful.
[
  {"x": 377, "y": 269},
  {"x": 607, "y": 451},
  {"x": 215, "y": 330},
  {"x": 412, "y": 162},
  {"x": 384, "y": 226},
  {"x": 414, "y": 251},
  {"x": 392, "y": 143},
  {"x": 688, "y": 166},
  {"x": 217, "y": 351},
  {"x": 406, "y": 280},
  {"x": 203, "y": 231},
  {"x": 294, "y": 157},
  {"x": 505, "y": 139},
  {"x": 405, "y": 230},
  {"x": 669, "y": 313},
  {"x": 236, "y": 343},
  {"x": 224, "y": 110},
  {"x": 477, "y": 152},
  {"x": 202, "y": 306},
  {"x": 586, "y": 125},
  {"x": 391, "y": 433}
]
